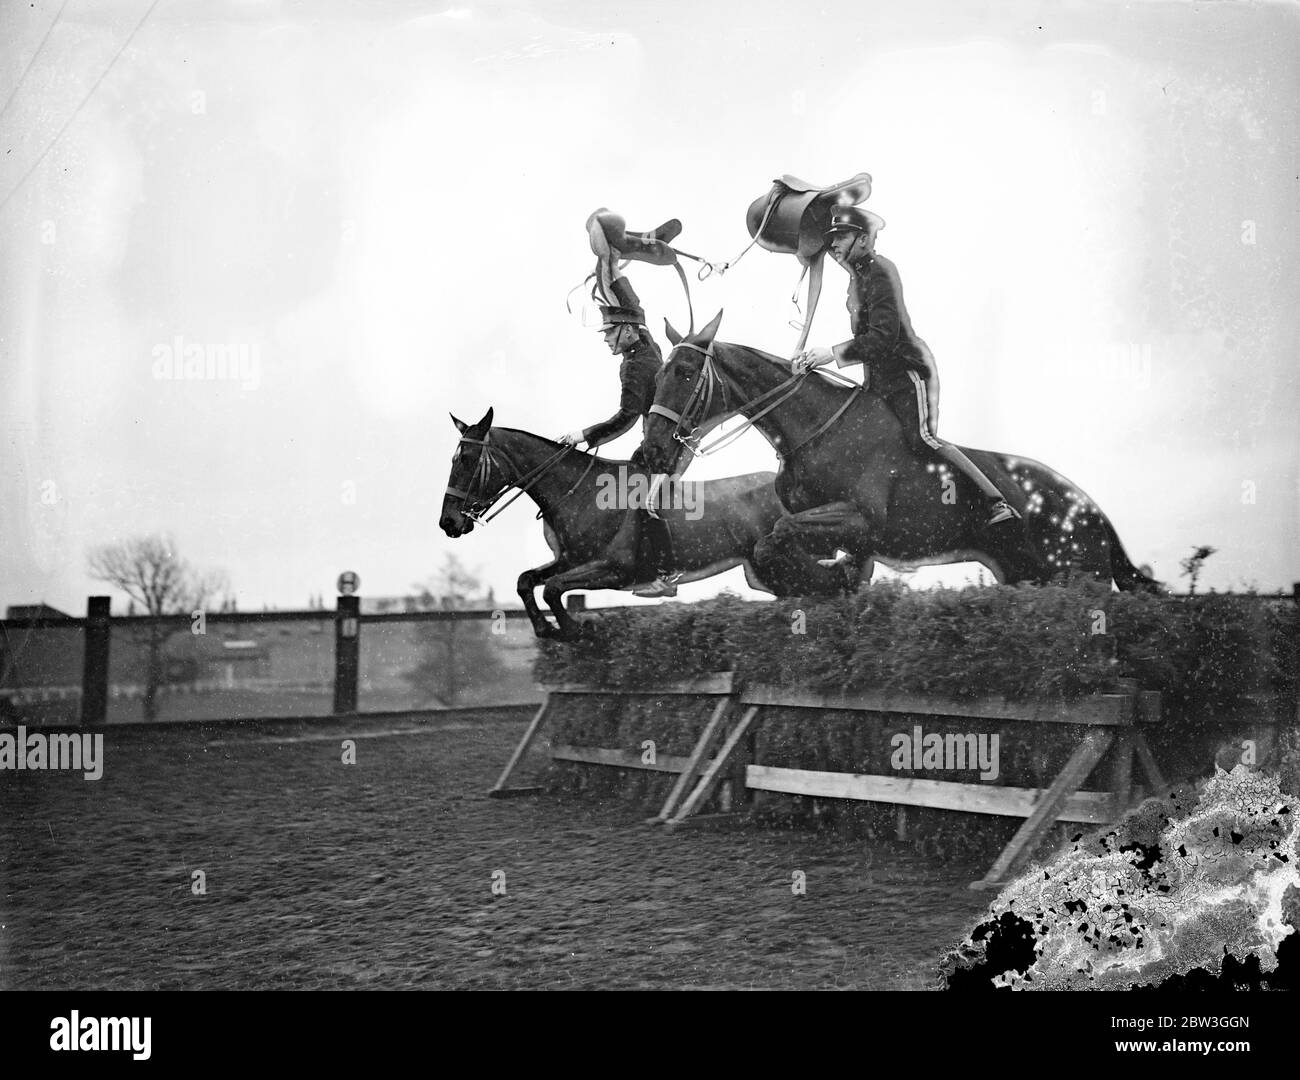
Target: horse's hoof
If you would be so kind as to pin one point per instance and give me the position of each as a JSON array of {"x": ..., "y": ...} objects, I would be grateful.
[
  {"x": 574, "y": 632},
  {"x": 852, "y": 577}
]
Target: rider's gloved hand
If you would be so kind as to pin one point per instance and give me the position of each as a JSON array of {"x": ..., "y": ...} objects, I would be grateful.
[
  {"x": 818, "y": 356},
  {"x": 572, "y": 438}
]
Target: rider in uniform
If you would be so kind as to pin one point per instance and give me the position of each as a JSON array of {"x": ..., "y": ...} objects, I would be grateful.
[
  {"x": 626, "y": 336},
  {"x": 897, "y": 363}
]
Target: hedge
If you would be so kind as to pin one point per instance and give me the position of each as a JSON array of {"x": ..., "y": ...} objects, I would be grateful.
[
  {"x": 1205, "y": 654},
  {"x": 1217, "y": 659}
]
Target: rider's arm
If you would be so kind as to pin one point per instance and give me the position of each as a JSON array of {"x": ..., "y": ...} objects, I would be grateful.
[
  {"x": 876, "y": 326},
  {"x": 637, "y": 375},
  {"x": 607, "y": 430}
]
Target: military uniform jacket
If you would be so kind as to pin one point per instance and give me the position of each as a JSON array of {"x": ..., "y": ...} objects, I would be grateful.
[
  {"x": 883, "y": 339},
  {"x": 636, "y": 374}
]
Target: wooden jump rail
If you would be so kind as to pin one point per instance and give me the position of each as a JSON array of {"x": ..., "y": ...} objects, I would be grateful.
[
  {"x": 720, "y": 685},
  {"x": 1111, "y": 719}
]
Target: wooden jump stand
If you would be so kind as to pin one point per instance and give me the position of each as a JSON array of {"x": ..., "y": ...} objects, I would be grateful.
[
  {"x": 1112, "y": 720},
  {"x": 720, "y": 685}
]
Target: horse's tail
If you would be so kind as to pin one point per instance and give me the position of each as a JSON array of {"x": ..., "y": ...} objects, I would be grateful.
[{"x": 1127, "y": 576}]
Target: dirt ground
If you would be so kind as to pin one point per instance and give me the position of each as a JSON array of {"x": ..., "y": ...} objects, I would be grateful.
[{"x": 380, "y": 874}]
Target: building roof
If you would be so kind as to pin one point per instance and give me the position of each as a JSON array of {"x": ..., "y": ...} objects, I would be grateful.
[{"x": 35, "y": 611}]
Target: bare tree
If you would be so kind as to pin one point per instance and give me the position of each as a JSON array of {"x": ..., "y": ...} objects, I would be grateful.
[
  {"x": 149, "y": 571},
  {"x": 1193, "y": 564},
  {"x": 455, "y": 657}
]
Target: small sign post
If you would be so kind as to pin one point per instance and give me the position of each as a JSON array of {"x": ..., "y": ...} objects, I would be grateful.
[
  {"x": 347, "y": 643},
  {"x": 94, "y": 678}
]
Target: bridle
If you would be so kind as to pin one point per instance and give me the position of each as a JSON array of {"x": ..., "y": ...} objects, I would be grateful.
[
  {"x": 475, "y": 502},
  {"x": 691, "y": 425},
  {"x": 701, "y": 398}
]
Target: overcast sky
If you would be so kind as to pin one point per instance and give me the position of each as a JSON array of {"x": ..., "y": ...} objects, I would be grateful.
[{"x": 1092, "y": 209}]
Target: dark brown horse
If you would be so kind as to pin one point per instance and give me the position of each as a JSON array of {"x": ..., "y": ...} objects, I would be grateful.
[
  {"x": 596, "y": 537},
  {"x": 850, "y": 482}
]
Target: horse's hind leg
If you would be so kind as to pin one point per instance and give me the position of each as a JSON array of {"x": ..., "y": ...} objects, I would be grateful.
[
  {"x": 752, "y": 578},
  {"x": 1014, "y": 560}
]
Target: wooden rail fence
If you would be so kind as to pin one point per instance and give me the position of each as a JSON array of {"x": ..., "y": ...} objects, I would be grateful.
[{"x": 724, "y": 753}]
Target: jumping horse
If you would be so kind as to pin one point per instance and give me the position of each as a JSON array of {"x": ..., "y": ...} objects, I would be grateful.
[
  {"x": 850, "y": 482},
  {"x": 717, "y": 526}
]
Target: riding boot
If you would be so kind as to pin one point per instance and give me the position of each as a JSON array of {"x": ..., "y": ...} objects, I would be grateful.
[
  {"x": 999, "y": 509},
  {"x": 657, "y": 545}
]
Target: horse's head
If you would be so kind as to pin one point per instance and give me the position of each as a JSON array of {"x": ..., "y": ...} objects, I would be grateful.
[
  {"x": 689, "y": 394},
  {"x": 475, "y": 477}
]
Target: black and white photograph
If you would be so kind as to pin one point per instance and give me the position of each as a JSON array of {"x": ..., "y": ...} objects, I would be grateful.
[{"x": 629, "y": 496}]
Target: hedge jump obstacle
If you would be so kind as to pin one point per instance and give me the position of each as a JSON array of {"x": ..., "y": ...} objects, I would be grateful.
[{"x": 1111, "y": 721}]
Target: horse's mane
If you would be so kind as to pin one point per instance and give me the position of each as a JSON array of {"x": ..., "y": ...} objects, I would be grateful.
[
  {"x": 783, "y": 365},
  {"x": 530, "y": 434},
  {"x": 776, "y": 361},
  {"x": 554, "y": 443}
]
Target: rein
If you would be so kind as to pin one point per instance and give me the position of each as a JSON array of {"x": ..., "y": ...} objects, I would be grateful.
[
  {"x": 494, "y": 456},
  {"x": 708, "y": 269},
  {"x": 703, "y": 394}
]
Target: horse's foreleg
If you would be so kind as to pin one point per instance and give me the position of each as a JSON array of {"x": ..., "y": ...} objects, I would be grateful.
[
  {"x": 786, "y": 569},
  {"x": 601, "y": 573},
  {"x": 825, "y": 528},
  {"x": 526, "y": 588},
  {"x": 783, "y": 556}
]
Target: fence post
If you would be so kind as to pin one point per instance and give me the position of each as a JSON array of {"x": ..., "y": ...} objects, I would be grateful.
[
  {"x": 94, "y": 672},
  {"x": 347, "y": 653}
]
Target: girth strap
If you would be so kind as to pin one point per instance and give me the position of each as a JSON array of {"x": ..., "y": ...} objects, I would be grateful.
[{"x": 814, "y": 272}]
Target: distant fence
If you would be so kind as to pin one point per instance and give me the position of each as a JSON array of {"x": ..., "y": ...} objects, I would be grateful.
[
  {"x": 91, "y": 669},
  {"x": 85, "y": 671}
]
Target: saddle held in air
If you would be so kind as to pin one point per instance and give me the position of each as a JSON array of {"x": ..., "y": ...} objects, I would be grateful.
[
  {"x": 792, "y": 219},
  {"x": 611, "y": 240},
  {"x": 652, "y": 247}
]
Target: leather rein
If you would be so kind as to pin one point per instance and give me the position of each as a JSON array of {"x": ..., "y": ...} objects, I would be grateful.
[
  {"x": 701, "y": 398},
  {"x": 474, "y": 505}
]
